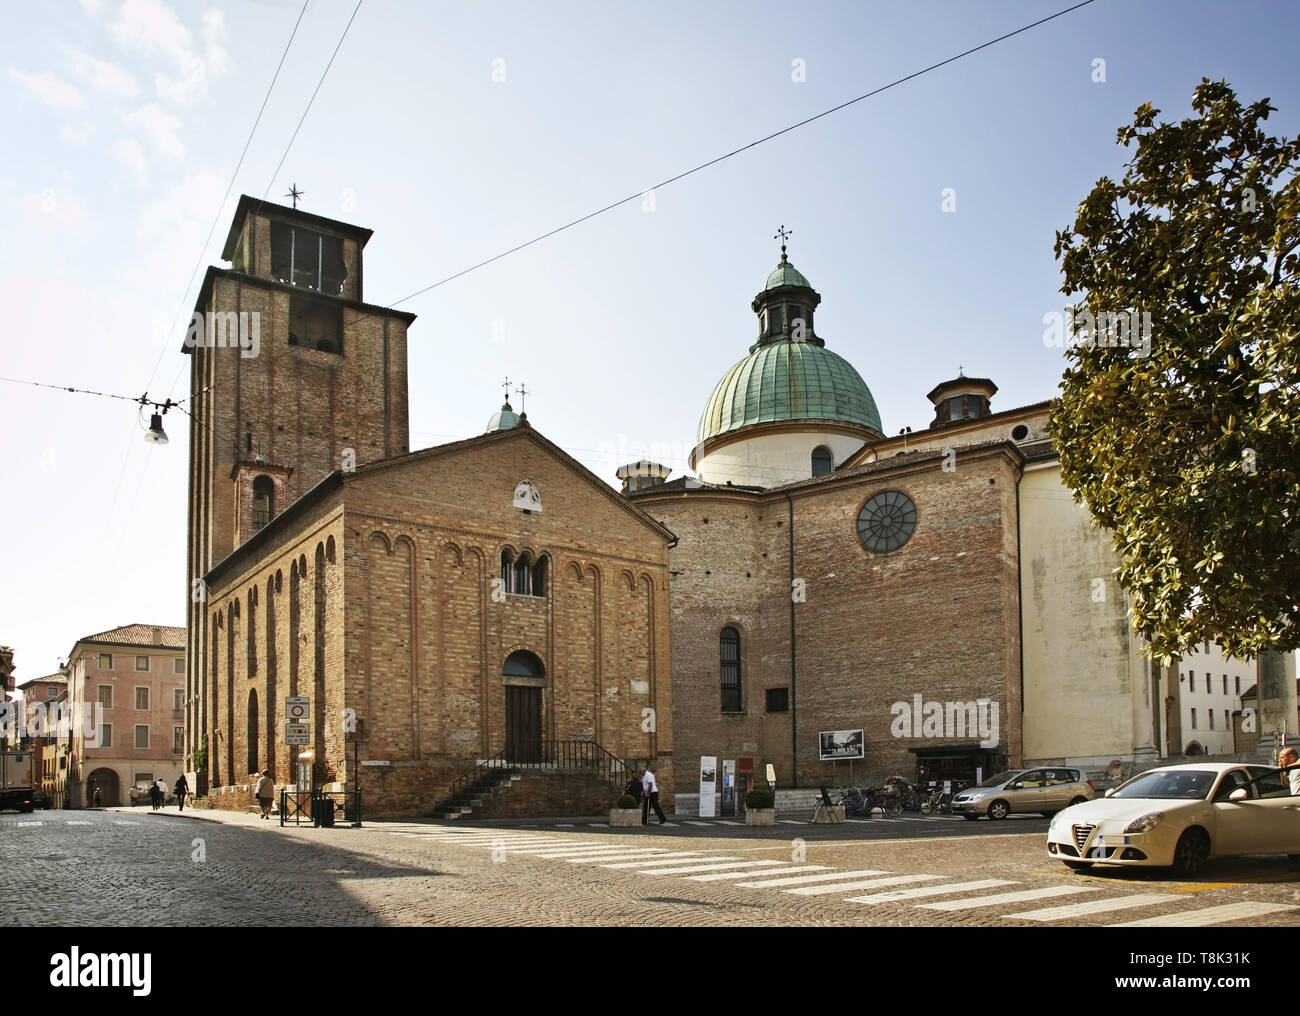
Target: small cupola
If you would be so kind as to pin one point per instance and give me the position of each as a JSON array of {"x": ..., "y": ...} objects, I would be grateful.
[
  {"x": 962, "y": 398},
  {"x": 643, "y": 474},
  {"x": 504, "y": 418},
  {"x": 786, "y": 304}
]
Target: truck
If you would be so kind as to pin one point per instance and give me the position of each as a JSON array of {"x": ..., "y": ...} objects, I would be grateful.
[{"x": 16, "y": 780}]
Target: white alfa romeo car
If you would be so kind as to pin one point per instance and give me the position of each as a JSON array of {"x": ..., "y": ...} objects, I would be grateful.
[{"x": 1180, "y": 817}]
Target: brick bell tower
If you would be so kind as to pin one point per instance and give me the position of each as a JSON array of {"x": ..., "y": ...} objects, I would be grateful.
[{"x": 292, "y": 376}]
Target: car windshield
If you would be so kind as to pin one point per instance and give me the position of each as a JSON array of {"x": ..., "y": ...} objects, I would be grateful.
[
  {"x": 1001, "y": 778},
  {"x": 1169, "y": 784}
]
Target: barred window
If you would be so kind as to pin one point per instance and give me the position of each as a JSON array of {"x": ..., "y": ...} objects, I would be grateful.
[{"x": 730, "y": 656}]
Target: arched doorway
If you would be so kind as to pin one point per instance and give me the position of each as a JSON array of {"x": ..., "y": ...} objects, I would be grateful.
[
  {"x": 1194, "y": 748},
  {"x": 524, "y": 678},
  {"x": 105, "y": 781}
]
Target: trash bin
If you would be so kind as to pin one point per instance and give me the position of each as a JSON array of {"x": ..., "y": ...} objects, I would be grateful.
[{"x": 323, "y": 812}]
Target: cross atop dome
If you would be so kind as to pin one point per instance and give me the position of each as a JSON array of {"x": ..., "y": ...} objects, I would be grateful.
[{"x": 783, "y": 235}]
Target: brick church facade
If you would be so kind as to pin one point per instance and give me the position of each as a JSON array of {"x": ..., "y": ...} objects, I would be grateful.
[{"x": 487, "y": 599}]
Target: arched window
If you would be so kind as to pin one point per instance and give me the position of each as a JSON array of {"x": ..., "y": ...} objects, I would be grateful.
[
  {"x": 263, "y": 501},
  {"x": 539, "y": 577},
  {"x": 523, "y": 664},
  {"x": 730, "y": 657},
  {"x": 821, "y": 461},
  {"x": 252, "y": 731},
  {"x": 523, "y": 576}
]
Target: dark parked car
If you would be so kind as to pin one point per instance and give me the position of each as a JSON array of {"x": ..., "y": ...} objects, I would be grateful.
[{"x": 40, "y": 799}]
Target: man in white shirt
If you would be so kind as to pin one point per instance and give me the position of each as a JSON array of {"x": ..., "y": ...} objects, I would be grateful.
[
  {"x": 651, "y": 798},
  {"x": 1289, "y": 758}
]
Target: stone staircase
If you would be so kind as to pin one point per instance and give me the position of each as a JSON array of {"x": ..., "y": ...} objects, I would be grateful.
[{"x": 494, "y": 780}]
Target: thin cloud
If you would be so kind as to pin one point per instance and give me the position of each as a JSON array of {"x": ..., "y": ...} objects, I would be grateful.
[
  {"x": 159, "y": 127},
  {"x": 54, "y": 91},
  {"x": 77, "y": 135},
  {"x": 104, "y": 76},
  {"x": 152, "y": 28},
  {"x": 130, "y": 154}
]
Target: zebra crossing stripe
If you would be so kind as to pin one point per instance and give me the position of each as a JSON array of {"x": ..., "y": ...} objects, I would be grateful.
[
  {"x": 725, "y": 821},
  {"x": 797, "y": 879},
  {"x": 633, "y": 853},
  {"x": 871, "y": 883},
  {"x": 1096, "y": 907},
  {"x": 1207, "y": 915},
  {"x": 39, "y": 823},
  {"x": 790, "y": 821},
  {"x": 1022, "y": 896},
  {"x": 930, "y": 890},
  {"x": 663, "y": 863},
  {"x": 555, "y": 855},
  {"x": 688, "y": 822},
  {"x": 71, "y": 822},
  {"x": 117, "y": 823},
  {"x": 563, "y": 825},
  {"x": 691, "y": 869},
  {"x": 720, "y": 875}
]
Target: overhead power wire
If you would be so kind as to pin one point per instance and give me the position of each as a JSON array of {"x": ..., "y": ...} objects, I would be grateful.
[{"x": 744, "y": 148}]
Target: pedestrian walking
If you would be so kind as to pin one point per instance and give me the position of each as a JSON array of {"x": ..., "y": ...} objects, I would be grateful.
[
  {"x": 265, "y": 792},
  {"x": 182, "y": 788},
  {"x": 651, "y": 790},
  {"x": 98, "y": 798},
  {"x": 162, "y": 792},
  {"x": 153, "y": 796}
]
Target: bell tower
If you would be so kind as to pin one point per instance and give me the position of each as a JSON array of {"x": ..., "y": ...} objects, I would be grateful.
[{"x": 292, "y": 376}]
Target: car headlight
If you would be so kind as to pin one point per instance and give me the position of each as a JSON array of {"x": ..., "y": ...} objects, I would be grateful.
[
  {"x": 1146, "y": 823},
  {"x": 1052, "y": 824}
]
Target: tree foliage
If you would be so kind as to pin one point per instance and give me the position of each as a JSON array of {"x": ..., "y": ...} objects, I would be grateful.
[{"x": 1190, "y": 453}]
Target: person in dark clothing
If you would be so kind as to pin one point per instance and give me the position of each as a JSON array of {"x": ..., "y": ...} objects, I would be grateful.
[
  {"x": 634, "y": 788},
  {"x": 154, "y": 796},
  {"x": 182, "y": 788}
]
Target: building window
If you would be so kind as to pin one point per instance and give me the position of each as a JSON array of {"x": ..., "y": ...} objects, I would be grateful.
[
  {"x": 315, "y": 323},
  {"x": 1191, "y": 683},
  {"x": 1019, "y": 433},
  {"x": 1225, "y": 684},
  {"x": 1237, "y": 684},
  {"x": 143, "y": 779},
  {"x": 778, "y": 700},
  {"x": 178, "y": 699},
  {"x": 1210, "y": 714},
  {"x": 887, "y": 521},
  {"x": 729, "y": 646},
  {"x": 52, "y": 691},
  {"x": 106, "y": 735},
  {"x": 105, "y": 661},
  {"x": 1193, "y": 719},
  {"x": 263, "y": 505},
  {"x": 141, "y": 735},
  {"x": 142, "y": 698},
  {"x": 821, "y": 461},
  {"x": 178, "y": 740},
  {"x": 142, "y": 664},
  {"x": 523, "y": 576},
  {"x": 178, "y": 666},
  {"x": 306, "y": 258},
  {"x": 1227, "y": 720},
  {"x": 106, "y": 696}
]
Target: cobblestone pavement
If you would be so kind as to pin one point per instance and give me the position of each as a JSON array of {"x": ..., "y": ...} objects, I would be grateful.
[{"x": 225, "y": 869}]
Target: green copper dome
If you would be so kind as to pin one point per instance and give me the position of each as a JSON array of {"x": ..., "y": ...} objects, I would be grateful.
[
  {"x": 503, "y": 419},
  {"x": 788, "y": 381},
  {"x": 785, "y": 274}
]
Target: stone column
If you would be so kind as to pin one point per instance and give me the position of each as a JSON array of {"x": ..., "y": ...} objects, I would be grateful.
[{"x": 1277, "y": 696}]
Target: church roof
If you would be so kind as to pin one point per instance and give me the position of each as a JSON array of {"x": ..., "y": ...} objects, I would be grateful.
[
  {"x": 785, "y": 274},
  {"x": 504, "y": 418},
  {"x": 788, "y": 381}
]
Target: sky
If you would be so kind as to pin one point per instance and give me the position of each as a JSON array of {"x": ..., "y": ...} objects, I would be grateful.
[{"x": 924, "y": 216}]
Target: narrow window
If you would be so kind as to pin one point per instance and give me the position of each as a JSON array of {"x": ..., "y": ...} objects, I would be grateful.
[
  {"x": 141, "y": 735},
  {"x": 178, "y": 740},
  {"x": 142, "y": 663},
  {"x": 507, "y": 572},
  {"x": 539, "y": 577},
  {"x": 178, "y": 665},
  {"x": 821, "y": 461},
  {"x": 523, "y": 576},
  {"x": 1191, "y": 683},
  {"x": 106, "y": 696},
  {"x": 1193, "y": 719},
  {"x": 1210, "y": 713},
  {"x": 105, "y": 661},
  {"x": 263, "y": 503},
  {"x": 106, "y": 735},
  {"x": 142, "y": 698},
  {"x": 1225, "y": 684},
  {"x": 730, "y": 654},
  {"x": 1237, "y": 685}
]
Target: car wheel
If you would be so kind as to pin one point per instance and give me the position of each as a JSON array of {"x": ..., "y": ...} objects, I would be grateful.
[
  {"x": 999, "y": 810},
  {"x": 1078, "y": 865},
  {"x": 1078, "y": 800},
  {"x": 1191, "y": 852}
]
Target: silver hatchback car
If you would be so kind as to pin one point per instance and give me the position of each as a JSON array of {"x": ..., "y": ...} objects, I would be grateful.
[{"x": 1045, "y": 791}]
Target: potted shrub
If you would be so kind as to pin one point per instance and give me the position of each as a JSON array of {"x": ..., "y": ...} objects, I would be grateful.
[
  {"x": 626, "y": 812},
  {"x": 758, "y": 807}
]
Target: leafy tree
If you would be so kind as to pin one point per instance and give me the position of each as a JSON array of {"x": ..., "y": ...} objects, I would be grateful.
[{"x": 1189, "y": 449}]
